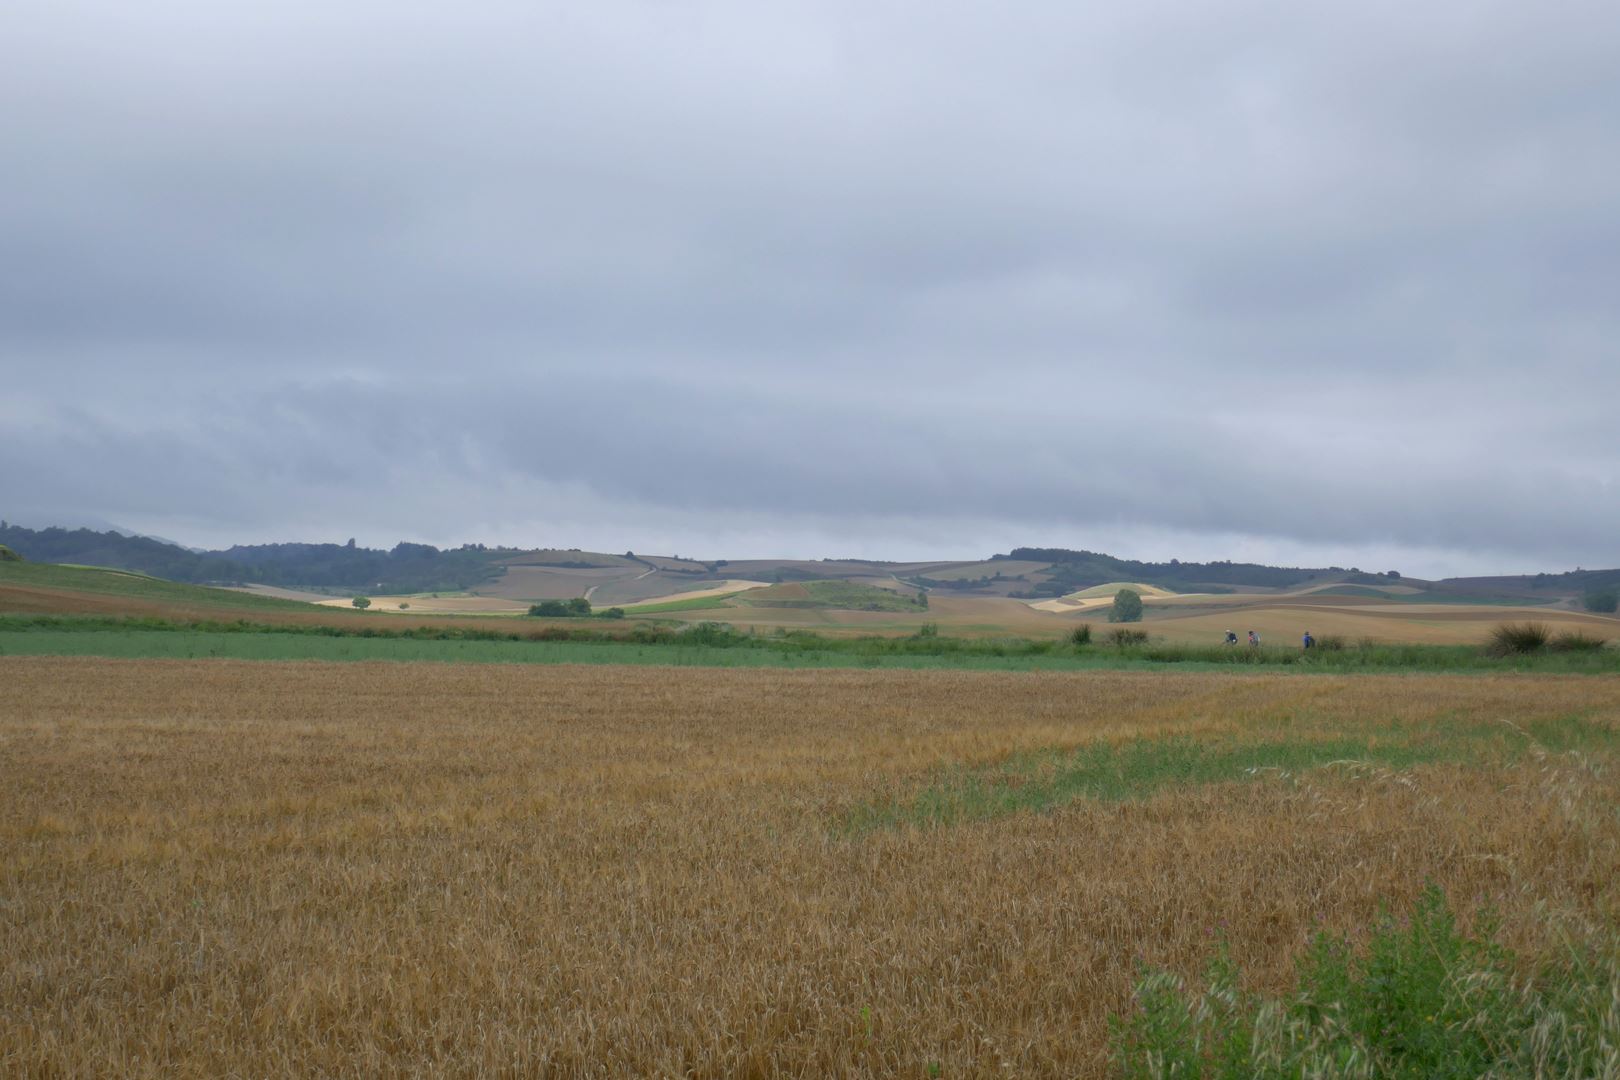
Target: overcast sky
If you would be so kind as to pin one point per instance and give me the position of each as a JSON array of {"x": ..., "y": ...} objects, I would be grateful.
[{"x": 1295, "y": 282}]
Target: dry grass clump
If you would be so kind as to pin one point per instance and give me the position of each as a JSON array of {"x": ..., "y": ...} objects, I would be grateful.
[
  {"x": 1519, "y": 637},
  {"x": 218, "y": 868}
]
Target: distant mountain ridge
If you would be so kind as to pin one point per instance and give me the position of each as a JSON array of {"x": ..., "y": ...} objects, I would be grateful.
[
  {"x": 413, "y": 568},
  {"x": 405, "y": 568}
]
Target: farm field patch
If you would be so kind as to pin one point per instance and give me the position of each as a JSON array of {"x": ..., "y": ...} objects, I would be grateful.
[{"x": 219, "y": 867}]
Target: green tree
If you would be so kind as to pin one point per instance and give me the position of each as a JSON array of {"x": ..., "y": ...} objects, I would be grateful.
[
  {"x": 922, "y": 599},
  {"x": 1603, "y": 600},
  {"x": 579, "y": 606},
  {"x": 361, "y": 602},
  {"x": 7, "y": 555},
  {"x": 1127, "y": 606},
  {"x": 613, "y": 613}
]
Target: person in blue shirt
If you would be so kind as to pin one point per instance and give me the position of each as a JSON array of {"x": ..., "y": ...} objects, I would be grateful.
[{"x": 1309, "y": 641}]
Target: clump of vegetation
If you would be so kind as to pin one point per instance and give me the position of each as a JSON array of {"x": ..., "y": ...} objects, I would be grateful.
[
  {"x": 1127, "y": 606},
  {"x": 1521, "y": 638},
  {"x": 1576, "y": 641},
  {"x": 613, "y": 613},
  {"x": 1424, "y": 998},
  {"x": 404, "y": 606},
  {"x": 574, "y": 607},
  {"x": 1605, "y": 601},
  {"x": 1121, "y": 637},
  {"x": 1080, "y": 636},
  {"x": 7, "y": 555},
  {"x": 361, "y": 602},
  {"x": 1331, "y": 643}
]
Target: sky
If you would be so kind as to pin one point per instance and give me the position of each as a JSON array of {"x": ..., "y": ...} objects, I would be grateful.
[{"x": 1310, "y": 284}]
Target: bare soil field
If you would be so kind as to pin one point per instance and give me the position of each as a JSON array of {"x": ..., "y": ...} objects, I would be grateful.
[{"x": 227, "y": 868}]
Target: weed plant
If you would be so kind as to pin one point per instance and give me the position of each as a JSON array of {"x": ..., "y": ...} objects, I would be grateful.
[{"x": 1423, "y": 999}]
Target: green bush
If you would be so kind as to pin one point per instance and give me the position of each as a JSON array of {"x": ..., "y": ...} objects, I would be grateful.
[
  {"x": 1606, "y": 601},
  {"x": 7, "y": 555},
  {"x": 1423, "y": 999},
  {"x": 613, "y": 613},
  {"x": 1330, "y": 643},
  {"x": 1525, "y": 637},
  {"x": 1080, "y": 636},
  {"x": 1127, "y": 606},
  {"x": 561, "y": 609},
  {"x": 361, "y": 602}
]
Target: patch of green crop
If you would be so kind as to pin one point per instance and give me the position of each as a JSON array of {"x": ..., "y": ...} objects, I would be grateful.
[{"x": 1114, "y": 772}]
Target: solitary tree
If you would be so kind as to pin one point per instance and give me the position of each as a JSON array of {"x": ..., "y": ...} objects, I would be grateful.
[
  {"x": 1127, "y": 606},
  {"x": 361, "y": 602}
]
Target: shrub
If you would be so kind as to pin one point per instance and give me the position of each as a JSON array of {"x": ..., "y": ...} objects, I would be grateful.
[
  {"x": 1606, "y": 601},
  {"x": 579, "y": 606},
  {"x": 1127, "y": 606},
  {"x": 1525, "y": 637},
  {"x": 1576, "y": 641},
  {"x": 7, "y": 555},
  {"x": 1122, "y": 637},
  {"x": 1330, "y": 643},
  {"x": 403, "y": 606},
  {"x": 613, "y": 613},
  {"x": 361, "y": 602},
  {"x": 1081, "y": 635},
  {"x": 928, "y": 630}
]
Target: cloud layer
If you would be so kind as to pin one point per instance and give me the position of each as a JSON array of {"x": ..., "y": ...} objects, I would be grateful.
[{"x": 837, "y": 278}]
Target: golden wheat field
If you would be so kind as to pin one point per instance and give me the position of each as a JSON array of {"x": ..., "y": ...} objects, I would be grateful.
[{"x": 217, "y": 868}]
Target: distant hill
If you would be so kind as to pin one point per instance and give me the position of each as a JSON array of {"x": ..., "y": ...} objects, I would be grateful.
[
  {"x": 1026, "y": 573},
  {"x": 1071, "y": 571},
  {"x": 404, "y": 569}
]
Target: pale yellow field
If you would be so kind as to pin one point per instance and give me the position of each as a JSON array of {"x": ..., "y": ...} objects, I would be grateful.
[
  {"x": 729, "y": 587},
  {"x": 217, "y": 868}
]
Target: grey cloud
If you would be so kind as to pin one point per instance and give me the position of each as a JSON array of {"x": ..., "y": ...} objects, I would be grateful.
[{"x": 1321, "y": 276}]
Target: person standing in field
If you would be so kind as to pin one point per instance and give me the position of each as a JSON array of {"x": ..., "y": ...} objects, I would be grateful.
[
  {"x": 1254, "y": 638},
  {"x": 1309, "y": 641}
]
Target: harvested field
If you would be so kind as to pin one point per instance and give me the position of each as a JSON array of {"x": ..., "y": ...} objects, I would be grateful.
[{"x": 234, "y": 868}]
